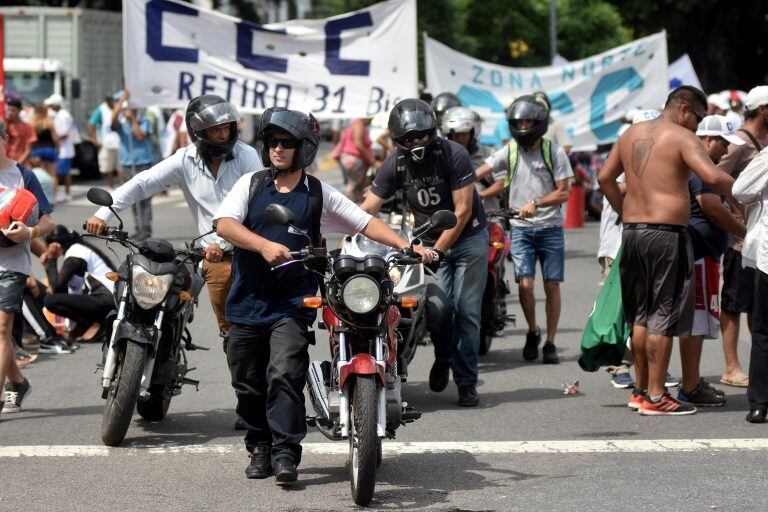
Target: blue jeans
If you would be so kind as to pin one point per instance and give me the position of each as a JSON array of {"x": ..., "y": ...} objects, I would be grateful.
[
  {"x": 547, "y": 245},
  {"x": 454, "y": 303}
]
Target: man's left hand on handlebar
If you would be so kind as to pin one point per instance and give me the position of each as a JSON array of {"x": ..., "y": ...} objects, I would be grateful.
[
  {"x": 95, "y": 225},
  {"x": 214, "y": 253},
  {"x": 427, "y": 255}
]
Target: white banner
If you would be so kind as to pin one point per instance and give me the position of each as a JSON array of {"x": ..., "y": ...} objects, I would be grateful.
[
  {"x": 681, "y": 72},
  {"x": 588, "y": 96},
  {"x": 353, "y": 65}
]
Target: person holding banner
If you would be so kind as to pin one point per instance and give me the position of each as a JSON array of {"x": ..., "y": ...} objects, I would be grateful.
[
  {"x": 437, "y": 174},
  {"x": 533, "y": 173},
  {"x": 206, "y": 171},
  {"x": 656, "y": 266}
]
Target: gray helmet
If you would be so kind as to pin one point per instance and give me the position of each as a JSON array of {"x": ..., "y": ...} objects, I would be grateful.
[
  {"x": 303, "y": 127},
  {"x": 204, "y": 112},
  {"x": 443, "y": 101},
  {"x": 533, "y": 108},
  {"x": 462, "y": 120},
  {"x": 411, "y": 117}
]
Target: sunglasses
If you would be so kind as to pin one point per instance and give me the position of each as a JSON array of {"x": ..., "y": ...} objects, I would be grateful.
[
  {"x": 289, "y": 143},
  {"x": 698, "y": 116},
  {"x": 410, "y": 137}
]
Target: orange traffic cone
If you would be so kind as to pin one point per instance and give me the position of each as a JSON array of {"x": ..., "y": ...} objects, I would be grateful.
[{"x": 574, "y": 210}]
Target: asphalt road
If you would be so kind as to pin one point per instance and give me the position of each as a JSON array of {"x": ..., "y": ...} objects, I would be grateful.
[{"x": 526, "y": 447}]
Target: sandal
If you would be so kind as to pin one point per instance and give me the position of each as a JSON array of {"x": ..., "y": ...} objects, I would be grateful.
[{"x": 740, "y": 380}]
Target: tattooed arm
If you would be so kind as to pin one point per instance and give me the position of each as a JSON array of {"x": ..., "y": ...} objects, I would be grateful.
[
  {"x": 697, "y": 159},
  {"x": 611, "y": 170}
]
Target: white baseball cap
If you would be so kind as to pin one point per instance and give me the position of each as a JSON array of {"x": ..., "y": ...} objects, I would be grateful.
[
  {"x": 54, "y": 99},
  {"x": 717, "y": 99},
  {"x": 644, "y": 115},
  {"x": 757, "y": 97},
  {"x": 718, "y": 126}
]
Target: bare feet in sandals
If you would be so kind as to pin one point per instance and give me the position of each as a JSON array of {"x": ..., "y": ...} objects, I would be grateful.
[{"x": 737, "y": 380}]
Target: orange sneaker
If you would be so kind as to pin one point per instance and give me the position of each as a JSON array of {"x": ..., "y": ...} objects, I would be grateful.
[
  {"x": 636, "y": 398},
  {"x": 665, "y": 406}
]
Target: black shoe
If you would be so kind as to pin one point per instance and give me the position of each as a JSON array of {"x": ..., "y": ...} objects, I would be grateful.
[
  {"x": 240, "y": 425},
  {"x": 439, "y": 375},
  {"x": 549, "y": 354},
  {"x": 285, "y": 470},
  {"x": 757, "y": 414},
  {"x": 261, "y": 462},
  {"x": 531, "y": 348},
  {"x": 468, "y": 396}
]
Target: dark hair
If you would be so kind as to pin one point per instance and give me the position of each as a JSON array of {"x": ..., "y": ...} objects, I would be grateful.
[
  {"x": 751, "y": 114},
  {"x": 13, "y": 102},
  {"x": 688, "y": 94}
]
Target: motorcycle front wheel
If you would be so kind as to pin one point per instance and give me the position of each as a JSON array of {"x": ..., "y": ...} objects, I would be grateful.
[
  {"x": 363, "y": 440},
  {"x": 122, "y": 396},
  {"x": 156, "y": 406}
]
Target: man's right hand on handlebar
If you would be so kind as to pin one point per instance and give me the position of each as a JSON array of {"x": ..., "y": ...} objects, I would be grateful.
[
  {"x": 95, "y": 225},
  {"x": 275, "y": 254}
]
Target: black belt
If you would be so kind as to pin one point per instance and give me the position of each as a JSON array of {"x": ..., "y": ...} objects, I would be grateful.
[{"x": 672, "y": 228}]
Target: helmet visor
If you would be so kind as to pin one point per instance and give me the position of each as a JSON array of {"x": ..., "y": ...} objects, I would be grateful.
[
  {"x": 214, "y": 115},
  {"x": 413, "y": 121},
  {"x": 526, "y": 110}
]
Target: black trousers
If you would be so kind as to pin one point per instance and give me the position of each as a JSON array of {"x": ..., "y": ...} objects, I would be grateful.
[
  {"x": 32, "y": 315},
  {"x": 757, "y": 392},
  {"x": 268, "y": 366},
  {"x": 85, "y": 308}
]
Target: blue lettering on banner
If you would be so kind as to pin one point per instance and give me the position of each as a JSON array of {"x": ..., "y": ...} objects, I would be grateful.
[
  {"x": 478, "y": 72},
  {"x": 258, "y": 94},
  {"x": 626, "y": 78},
  {"x": 536, "y": 82},
  {"x": 568, "y": 74},
  {"x": 248, "y": 59},
  {"x": 496, "y": 78},
  {"x": 561, "y": 102},
  {"x": 640, "y": 50},
  {"x": 286, "y": 89},
  {"x": 207, "y": 88},
  {"x": 185, "y": 83},
  {"x": 333, "y": 61},
  {"x": 230, "y": 82},
  {"x": 154, "y": 12},
  {"x": 516, "y": 80}
]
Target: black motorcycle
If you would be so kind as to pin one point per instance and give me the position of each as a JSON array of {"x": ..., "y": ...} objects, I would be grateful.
[{"x": 145, "y": 362}]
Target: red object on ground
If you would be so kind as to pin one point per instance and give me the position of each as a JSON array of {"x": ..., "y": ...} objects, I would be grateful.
[{"x": 574, "y": 209}]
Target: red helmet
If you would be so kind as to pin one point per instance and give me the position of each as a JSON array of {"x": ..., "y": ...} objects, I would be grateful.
[{"x": 17, "y": 205}]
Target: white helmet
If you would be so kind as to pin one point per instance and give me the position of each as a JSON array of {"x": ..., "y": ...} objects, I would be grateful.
[{"x": 462, "y": 120}]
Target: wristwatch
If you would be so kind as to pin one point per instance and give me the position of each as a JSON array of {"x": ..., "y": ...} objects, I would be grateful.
[{"x": 535, "y": 203}]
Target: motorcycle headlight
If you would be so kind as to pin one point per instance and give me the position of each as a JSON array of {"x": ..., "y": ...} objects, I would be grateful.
[
  {"x": 361, "y": 294},
  {"x": 396, "y": 274},
  {"x": 148, "y": 289}
]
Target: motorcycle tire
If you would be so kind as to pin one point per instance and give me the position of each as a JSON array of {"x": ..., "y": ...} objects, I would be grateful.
[
  {"x": 121, "y": 399},
  {"x": 486, "y": 338},
  {"x": 156, "y": 406},
  {"x": 363, "y": 440}
]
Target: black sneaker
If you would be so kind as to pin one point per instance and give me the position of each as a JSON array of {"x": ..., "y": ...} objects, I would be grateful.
[
  {"x": 468, "y": 396},
  {"x": 439, "y": 375},
  {"x": 285, "y": 470},
  {"x": 14, "y": 395},
  {"x": 703, "y": 395},
  {"x": 261, "y": 462},
  {"x": 549, "y": 354},
  {"x": 531, "y": 348},
  {"x": 56, "y": 345}
]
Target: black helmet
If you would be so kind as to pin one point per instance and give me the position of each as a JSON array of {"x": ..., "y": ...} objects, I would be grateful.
[
  {"x": 206, "y": 111},
  {"x": 303, "y": 127},
  {"x": 528, "y": 107},
  {"x": 409, "y": 117},
  {"x": 443, "y": 102}
]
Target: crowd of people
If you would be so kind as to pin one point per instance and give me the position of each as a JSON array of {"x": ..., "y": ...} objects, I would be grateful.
[{"x": 671, "y": 213}]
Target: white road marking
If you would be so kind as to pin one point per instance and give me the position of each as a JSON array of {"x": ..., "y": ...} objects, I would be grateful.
[{"x": 394, "y": 448}]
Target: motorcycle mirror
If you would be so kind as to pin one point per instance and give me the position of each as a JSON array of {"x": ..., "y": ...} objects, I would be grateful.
[
  {"x": 279, "y": 214},
  {"x": 442, "y": 220},
  {"x": 99, "y": 196},
  {"x": 191, "y": 244}
]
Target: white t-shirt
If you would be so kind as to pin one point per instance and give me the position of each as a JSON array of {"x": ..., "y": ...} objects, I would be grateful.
[
  {"x": 65, "y": 129},
  {"x": 610, "y": 229},
  {"x": 97, "y": 268},
  {"x": 340, "y": 215},
  {"x": 532, "y": 180}
]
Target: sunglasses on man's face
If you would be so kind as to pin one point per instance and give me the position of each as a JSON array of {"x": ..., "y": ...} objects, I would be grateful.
[
  {"x": 410, "y": 137},
  {"x": 289, "y": 143}
]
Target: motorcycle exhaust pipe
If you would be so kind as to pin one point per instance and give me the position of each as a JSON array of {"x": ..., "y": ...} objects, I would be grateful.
[{"x": 317, "y": 391}]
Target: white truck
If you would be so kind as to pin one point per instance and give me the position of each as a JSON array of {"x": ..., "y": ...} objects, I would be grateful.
[{"x": 77, "y": 53}]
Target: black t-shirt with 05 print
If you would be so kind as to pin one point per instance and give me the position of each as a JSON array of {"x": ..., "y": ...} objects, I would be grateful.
[{"x": 429, "y": 185}]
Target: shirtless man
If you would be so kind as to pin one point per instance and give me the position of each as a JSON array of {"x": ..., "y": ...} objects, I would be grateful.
[{"x": 657, "y": 260}]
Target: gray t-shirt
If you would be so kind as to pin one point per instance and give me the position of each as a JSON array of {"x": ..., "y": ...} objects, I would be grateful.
[
  {"x": 478, "y": 159},
  {"x": 532, "y": 180}
]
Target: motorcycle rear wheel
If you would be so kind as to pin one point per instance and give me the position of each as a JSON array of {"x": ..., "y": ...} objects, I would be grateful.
[
  {"x": 363, "y": 440},
  {"x": 122, "y": 397},
  {"x": 486, "y": 338},
  {"x": 156, "y": 406}
]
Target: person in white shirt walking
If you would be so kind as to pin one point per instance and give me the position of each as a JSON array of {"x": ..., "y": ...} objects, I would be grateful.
[
  {"x": 205, "y": 171},
  {"x": 106, "y": 140},
  {"x": 67, "y": 134}
]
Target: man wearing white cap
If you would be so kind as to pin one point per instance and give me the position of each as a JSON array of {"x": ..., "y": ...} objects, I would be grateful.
[
  {"x": 717, "y": 104},
  {"x": 66, "y": 131},
  {"x": 709, "y": 226},
  {"x": 739, "y": 282}
]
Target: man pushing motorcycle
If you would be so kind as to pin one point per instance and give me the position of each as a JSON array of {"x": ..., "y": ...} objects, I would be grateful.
[{"x": 270, "y": 337}]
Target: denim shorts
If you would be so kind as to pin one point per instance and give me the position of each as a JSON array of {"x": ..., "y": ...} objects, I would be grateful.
[
  {"x": 46, "y": 154},
  {"x": 64, "y": 166},
  {"x": 546, "y": 245},
  {"x": 11, "y": 291}
]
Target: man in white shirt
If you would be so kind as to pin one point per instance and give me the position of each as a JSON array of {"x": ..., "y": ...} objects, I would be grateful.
[
  {"x": 67, "y": 134},
  {"x": 205, "y": 171},
  {"x": 106, "y": 140}
]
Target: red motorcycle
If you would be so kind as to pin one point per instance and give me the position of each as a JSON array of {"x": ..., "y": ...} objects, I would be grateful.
[
  {"x": 493, "y": 315},
  {"x": 357, "y": 394}
]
